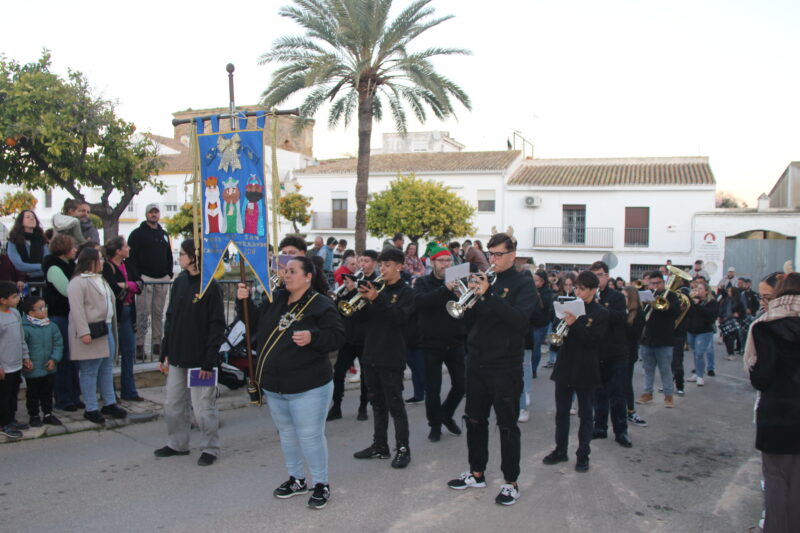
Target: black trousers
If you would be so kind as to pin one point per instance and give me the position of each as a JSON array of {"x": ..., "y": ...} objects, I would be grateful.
[
  {"x": 677, "y": 360},
  {"x": 499, "y": 388},
  {"x": 563, "y": 405},
  {"x": 9, "y": 389},
  {"x": 344, "y": 360},
  {"x": 40, "y": 394},
  {"x": 633, "y": 357},
  {"x": 781, "y": 492},
  {"x": 385, "y": 392},
  {"x": 453, "y": 359},
  {"x": 610, "y": 396}
]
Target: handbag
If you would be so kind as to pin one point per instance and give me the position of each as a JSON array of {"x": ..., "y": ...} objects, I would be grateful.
[{"x": 98, "y": 329}]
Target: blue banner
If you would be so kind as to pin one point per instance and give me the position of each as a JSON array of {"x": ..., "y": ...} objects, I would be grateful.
[{"x": 233, "y": 201}]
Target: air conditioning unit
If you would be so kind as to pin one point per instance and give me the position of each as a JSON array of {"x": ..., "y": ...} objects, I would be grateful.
[{"x": 533, "y": 201}]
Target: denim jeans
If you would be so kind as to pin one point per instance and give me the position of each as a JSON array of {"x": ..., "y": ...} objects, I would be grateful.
[
  {"x": 660, "y": 356},
  {"x": 127, "y": 350},
  {"x": 67, "y": 388},
  {"x": 702, "y": 345},
  {"x": 416, "y": 363},
  {"x": 527, "y": 379},
  {"x": 538, "y": 339},
  {"x": 300, "y": 419},
  {"x": 98, "y": 371}
]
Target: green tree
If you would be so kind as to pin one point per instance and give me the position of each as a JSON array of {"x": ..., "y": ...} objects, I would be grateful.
[
  {"x": 419, "y": 209},
  {"x": 181, "y": 224},
  {"x": 294, "y": 208},
  {"x": 727, "y": 200},
  {"x": 15, "y": 203},
  {"x": 357, "y": 59},
  {"x": 59, "y": 134}
]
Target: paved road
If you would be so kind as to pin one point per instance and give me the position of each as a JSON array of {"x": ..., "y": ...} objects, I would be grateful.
[{"x": 693, "y": 469}]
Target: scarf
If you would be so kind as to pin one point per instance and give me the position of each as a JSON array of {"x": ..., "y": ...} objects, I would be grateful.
[
  {"x": 36, "y": 252},
  {"x": 783, "y": 307},
  {"x": 41, "y": 322}
]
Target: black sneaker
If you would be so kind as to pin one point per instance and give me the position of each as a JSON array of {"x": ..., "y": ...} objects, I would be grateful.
[
  {"x": 335, "y": 413},
  {"x": 582, "y": 464},
  {"x": 70, "y": 408},
  {"x": 80, "y": 405},
  {"x": 711, "y": 373},
  {"x": 467, "y": 480},
  {"x": 401, "y": 457},
  {"x": 94, "y": 416},
  {"x": 555, "y": 457},
  {"x": 414, "y": 400},
  {"x": 290, "y": 488},
  {"x": 373, "y": 452},
  {"x": 206, "y": 459},
  {"x": 51, "y": 420},
  {"x": 166, "y": 451},
  {"x": 319, "y": 499},
  {"x": 680, "y": 392},
  {"x": 600, "y": 433},
  {"x": 35, "y": 421},
  {"x": 509, "y": 494},
  {"x": 451, "y": 426},
  {"x": 362, "y": 413},
  {"x": 435, "y": 435},
  {"x": 114, "y": 411},
  {"x": 20, "y": 425},
  {"x": 11, "y": 432}
]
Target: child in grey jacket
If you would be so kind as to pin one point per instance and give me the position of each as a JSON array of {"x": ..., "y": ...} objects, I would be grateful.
[{"x": 13, "y": 358}]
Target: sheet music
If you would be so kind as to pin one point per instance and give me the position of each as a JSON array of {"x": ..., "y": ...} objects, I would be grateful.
[
  {"x": 576, "y": 307},
  {"x": 456, "y": 272},
  {"x": 646, "y": 296}
]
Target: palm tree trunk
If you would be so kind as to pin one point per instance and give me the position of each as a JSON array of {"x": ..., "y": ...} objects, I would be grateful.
[{"x": 362, "y": 169}]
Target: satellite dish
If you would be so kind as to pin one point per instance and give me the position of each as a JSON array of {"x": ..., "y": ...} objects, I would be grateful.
[{"x": 611, "y": 260}]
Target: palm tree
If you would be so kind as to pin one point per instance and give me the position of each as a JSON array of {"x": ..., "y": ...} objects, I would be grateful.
[{"x": 354, "y": 57}]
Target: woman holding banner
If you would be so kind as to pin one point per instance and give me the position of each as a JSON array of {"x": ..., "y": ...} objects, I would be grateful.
[{"x": 294, "y": 335}]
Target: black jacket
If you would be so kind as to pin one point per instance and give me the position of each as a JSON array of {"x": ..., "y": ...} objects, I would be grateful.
[
  {"x": 151, "y": 251},
  {"x": 633, "y": 332},
  {"x": 113, "y": 277},
  {"x": 614, "y": 346},
  {"x": 289, "y": 368},
  {"x": 777, "y": 375},
  {"x": 57, "y": 303},
  {"x": 499, "y": 322},
  {"x": 728, "y": 307},
  {"x": 660, "y": 327},
  {"x": 194, "y": 329},
  {"x": 387, "y": 318},
  {"x": 543, "y": 310},
  {"x": 355, "y": 329},
  {"x": 436, "y": 328},
  {"x": 578, "y": 363},
  {"x": 701, "y": 317}
]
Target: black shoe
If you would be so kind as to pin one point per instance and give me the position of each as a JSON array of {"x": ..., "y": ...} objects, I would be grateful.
[
  {"x": 451, "y": 426},
  {"x": 290, "y": 488},
  {"x": 20, "y": 425},
  {"x": 35, "y": 422},
  {"x": 166, "y": 451},
  {"x": 402, "y": 457},
  {"x": 373, "y": 452},
  {"x": 435, "y": 435},
  {"x": 600, "y": 433},
  {"x": 51, "y": 420},
  {"x": 711, "y": 373},
  {"x": 114, "y": 411},
  {"x": 206, "y": 459},
  {"x": 11, "y": 432},
  {"x": 509, "y": 494},
  {"x": 362, "y": 414},
  {"x": 94, "y": 416},
  {"x": 134, "y": 399},
  {"x": 555, "y": 457},
  {"x": 319, "y": 499},
  {"x": 335, "y": 413},
  {"x": 624, "y": 440},
  {"x": 80, "y": 405},
  {"x": 414, "y": 400},
  {"x": 582, "y": 464}
]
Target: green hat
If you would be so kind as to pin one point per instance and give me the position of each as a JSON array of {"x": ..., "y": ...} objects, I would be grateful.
[{"x": 436, "y": 249}]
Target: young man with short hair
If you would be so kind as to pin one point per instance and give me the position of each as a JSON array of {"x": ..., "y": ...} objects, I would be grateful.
[
  {"x": 577, "y": 372},
  {"x": 495, "y": 344},
  {"x": 383, "y": 363}
]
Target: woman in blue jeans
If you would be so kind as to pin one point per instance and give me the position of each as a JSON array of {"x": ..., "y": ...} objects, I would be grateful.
[
  {"x": 700, "y": 330},
  {"x": 123, "y": 278},
  {"x": 294, "y": 335}
]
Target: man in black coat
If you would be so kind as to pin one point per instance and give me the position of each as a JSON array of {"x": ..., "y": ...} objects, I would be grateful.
[
  {"x": 441, "y": 338},
  {"x": 610, "y": 395},
  {"x": 577, "y": 372},
  {"x": 500, "y": 320}
]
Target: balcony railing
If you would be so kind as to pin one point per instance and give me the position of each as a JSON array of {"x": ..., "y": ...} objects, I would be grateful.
[
  {"x": 333, "y": 220},
  {"x": 637, "y": 237},
  {"x": 573, "y": 237}
]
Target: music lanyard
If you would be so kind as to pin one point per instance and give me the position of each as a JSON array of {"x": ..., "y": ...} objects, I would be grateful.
[{"x": 285, "y": 322}]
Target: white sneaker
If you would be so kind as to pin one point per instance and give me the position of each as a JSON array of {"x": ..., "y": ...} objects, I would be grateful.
[
  {"x": 523, "y": 415},
  {"x": 467, "y": 480},
  {"x": 508, "y": 494},
  {"x": 700, "y": 382},
  {"x": 573, "y": 411},
  {"x": 693, "y": 378},
  {"x": 354, "y": 378}
]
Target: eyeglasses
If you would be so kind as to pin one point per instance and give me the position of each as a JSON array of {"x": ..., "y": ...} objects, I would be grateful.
[{"x": 498, "y": 255}]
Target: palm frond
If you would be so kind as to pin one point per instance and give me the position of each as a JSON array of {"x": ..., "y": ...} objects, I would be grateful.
[{"x": 342, "y": 108}]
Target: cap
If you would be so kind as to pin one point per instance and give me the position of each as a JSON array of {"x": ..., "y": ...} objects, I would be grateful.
[{"x": 731, "y": 269}]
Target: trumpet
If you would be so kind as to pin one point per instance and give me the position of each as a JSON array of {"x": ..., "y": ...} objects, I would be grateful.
[
  {"x": 275, "y": 281},
  {"x": 557, "y": 337},
  {"x": 359, "y": 275},
  {"x": 467, "y": 297},
  {"x": 357, "y": 302}
]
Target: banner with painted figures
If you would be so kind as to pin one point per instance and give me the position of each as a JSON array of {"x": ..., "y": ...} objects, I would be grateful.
[{"x": 233, "y": 199}]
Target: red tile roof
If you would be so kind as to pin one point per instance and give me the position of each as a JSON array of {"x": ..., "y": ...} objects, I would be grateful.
[{"x": 419, "y": 162}]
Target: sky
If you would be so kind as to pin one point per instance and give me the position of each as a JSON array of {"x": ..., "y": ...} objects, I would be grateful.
[{"x": 584, "y": 78}]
